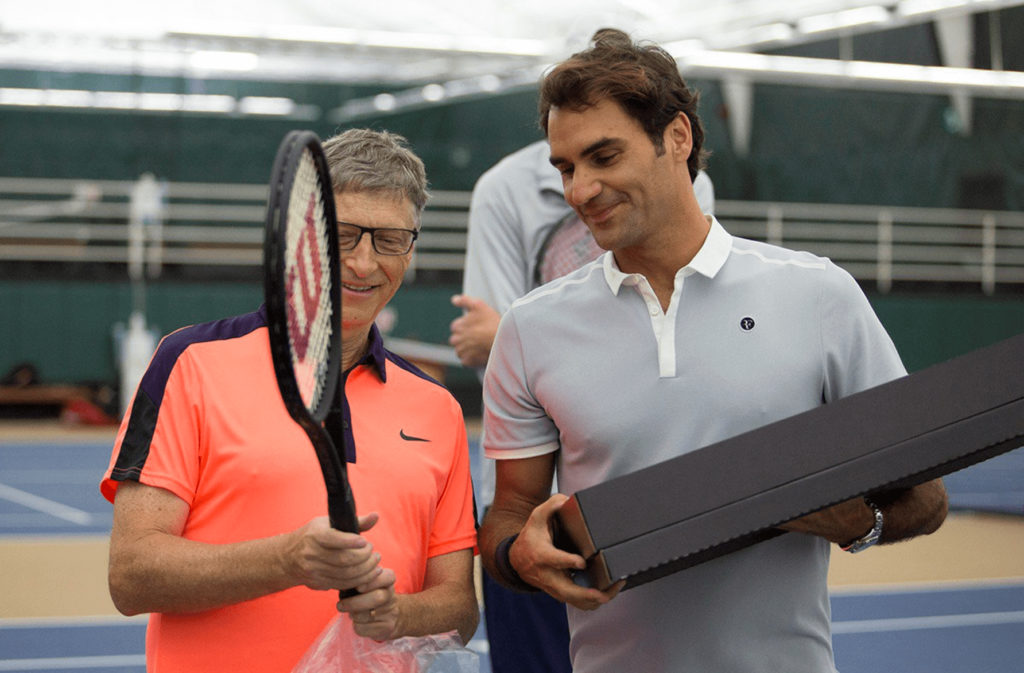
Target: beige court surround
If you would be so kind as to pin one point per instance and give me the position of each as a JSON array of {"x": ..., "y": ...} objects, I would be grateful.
[{"x": 67, "y": 576}]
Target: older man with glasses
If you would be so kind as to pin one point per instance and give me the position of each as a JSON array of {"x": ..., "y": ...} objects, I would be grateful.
[{"x": 220, "y": 527}]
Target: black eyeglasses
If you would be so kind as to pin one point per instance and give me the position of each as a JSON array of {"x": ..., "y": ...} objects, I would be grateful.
[{"x": 386, "y": 240}]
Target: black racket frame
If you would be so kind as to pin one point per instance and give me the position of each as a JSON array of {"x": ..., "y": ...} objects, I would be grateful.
[{"x": 330, "y": 451}]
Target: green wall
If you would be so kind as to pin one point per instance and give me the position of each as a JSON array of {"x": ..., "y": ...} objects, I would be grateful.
[
  {"x": 65, "y": 328},
  {"x": 457, "y": 142},
  {"x": 928, "y": 329}
]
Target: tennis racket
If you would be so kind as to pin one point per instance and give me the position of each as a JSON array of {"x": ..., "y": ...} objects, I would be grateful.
[
  {"x": 568, "y": 246},
  {"x": 303, "y": 298}
]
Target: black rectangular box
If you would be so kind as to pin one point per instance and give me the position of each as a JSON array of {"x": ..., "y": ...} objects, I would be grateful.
[{"x": 731, "y": 494}]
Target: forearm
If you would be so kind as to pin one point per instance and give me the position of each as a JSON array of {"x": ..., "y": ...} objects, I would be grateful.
[
  {"x": 154, "y": 568},
  {"x": 907, "y": 513},
  {"x": 439, "y": 609},
  {"x": 166, "y": 573},
  {"x": 521, "y": 485},
  {"x": 914, "y": 511},
  {"x": 499, "y": 524}
]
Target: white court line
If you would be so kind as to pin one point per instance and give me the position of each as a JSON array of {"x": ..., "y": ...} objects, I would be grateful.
[
  {"x": 932, "y": 586},
  {"x": 61, "y": 663},
  {"x": 70, "y": 622},
  {"x": 45, "y": 506},
  {"x": 932, "y": 622},
  {"x": 52, "y": 476}
]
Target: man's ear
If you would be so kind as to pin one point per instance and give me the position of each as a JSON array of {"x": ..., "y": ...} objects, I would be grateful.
[{"x": 679, "y": 137}]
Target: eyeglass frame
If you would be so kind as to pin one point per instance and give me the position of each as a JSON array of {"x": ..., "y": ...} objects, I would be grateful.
[{"x": 372, "y": 231}]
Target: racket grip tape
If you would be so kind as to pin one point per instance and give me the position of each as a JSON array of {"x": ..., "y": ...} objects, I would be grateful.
[
  {"x": 341, "y": 509},
  {"x": 341, "y": 512}
]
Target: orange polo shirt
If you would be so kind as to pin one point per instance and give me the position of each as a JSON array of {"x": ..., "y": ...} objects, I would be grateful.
[{"x": 208, "y": 425}]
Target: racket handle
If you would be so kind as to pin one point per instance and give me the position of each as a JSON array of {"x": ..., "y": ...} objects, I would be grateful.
[
  {"x": 344, "y": 524},
  {"x": 342, "y": 514},
  {"x": 341, "y": 506},
  {"x": 343, "y": 517}
]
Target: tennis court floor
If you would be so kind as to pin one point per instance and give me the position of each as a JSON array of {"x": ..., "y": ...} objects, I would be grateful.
[{"x": 950, "y": 603}]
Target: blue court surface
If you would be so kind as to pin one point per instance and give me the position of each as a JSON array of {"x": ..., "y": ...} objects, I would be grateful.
[
  {"x": 971, "y": 629},
  {"x": 50, "y": 489}
]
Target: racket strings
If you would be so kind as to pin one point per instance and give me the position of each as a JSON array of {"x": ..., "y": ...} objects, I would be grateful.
[
  {"x": 308, "y": 283},
  {"x": 569, "y": 246}
]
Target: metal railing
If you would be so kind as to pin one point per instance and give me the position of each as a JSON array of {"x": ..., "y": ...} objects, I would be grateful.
[
  {"x": 221, "y": 225},
  {"x": 887, "y": 244}
]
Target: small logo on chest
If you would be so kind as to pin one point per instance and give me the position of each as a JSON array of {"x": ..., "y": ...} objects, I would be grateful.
[
  {"x": 411, "y": 438},
  {"x": 747, "y": 324}
]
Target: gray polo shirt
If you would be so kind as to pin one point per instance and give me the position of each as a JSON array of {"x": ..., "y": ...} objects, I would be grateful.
[{"x": 590, "y": 366}]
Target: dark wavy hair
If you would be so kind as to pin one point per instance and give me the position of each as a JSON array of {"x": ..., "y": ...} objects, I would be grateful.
[{"x": 641, "y": 77}]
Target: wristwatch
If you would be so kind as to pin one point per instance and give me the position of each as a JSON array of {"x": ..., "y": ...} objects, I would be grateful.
[{"x": 873, "y": 535}]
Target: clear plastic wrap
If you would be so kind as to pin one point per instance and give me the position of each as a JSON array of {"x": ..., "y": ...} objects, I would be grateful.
[{"x": 339, "y": 650}]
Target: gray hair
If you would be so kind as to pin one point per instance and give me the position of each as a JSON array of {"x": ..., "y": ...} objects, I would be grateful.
[{"x": 364, "y": 160}]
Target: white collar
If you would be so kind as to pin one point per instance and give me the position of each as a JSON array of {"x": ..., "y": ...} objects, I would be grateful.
[{"x": 707, "y": 262}]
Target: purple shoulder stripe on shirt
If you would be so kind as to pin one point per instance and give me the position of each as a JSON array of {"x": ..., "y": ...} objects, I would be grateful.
[
  {"x": 155, "y": 379},
  {"x": 134, "y": 448}
]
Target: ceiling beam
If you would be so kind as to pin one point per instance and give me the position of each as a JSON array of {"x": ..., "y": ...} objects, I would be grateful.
[{"x": 728, "y": 66}]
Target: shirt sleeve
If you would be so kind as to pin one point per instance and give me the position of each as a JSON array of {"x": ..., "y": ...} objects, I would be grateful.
[
  {"x": 858, "y": 353},
  {"x": 158, "y": 441},
  {"x": 516, "y": 425}
]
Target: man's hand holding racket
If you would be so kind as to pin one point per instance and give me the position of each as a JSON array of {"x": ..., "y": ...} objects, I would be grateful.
[
  {"x": 375, "y": 611},
  {"x": 321, "y": 557}
]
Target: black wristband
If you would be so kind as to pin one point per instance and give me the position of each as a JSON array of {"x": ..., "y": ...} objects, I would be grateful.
[{"x": 503, "y": 565}]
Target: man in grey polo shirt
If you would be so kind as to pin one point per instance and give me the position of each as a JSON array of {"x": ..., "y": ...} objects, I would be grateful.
[
  {"x": 679, "y": 336},
  {"x": 515, "y": 206}
]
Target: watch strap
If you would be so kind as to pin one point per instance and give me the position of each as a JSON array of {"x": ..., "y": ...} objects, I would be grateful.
[{"x": 873, "y": 536}]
